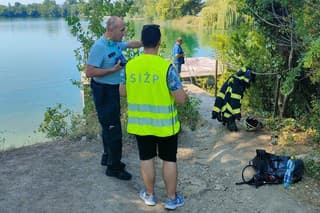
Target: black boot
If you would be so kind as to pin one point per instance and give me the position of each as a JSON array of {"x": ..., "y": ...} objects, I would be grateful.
[
  {"x": 104, "y": 159},
  {"x": 118, "y": 171},
  {"x": 231, "y": 125}
]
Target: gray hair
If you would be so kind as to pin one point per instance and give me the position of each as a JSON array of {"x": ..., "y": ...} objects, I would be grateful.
[{"x": 112, "y": 22}]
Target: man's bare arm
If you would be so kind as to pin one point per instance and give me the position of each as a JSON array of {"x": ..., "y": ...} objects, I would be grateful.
[
  {"x": 180, "y": 96},
  {"x": 92, "y": 71},
  {"x": 122, "y": 90},
  {"x": 134, "y": 44}
]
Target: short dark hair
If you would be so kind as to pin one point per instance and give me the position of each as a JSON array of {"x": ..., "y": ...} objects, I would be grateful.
[{"x": 150, "y": 35}]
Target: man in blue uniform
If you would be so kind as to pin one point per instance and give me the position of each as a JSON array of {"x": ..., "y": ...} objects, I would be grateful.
[
  {"x": 178, "y": 55},
  {"x": 105, "y": 63}
]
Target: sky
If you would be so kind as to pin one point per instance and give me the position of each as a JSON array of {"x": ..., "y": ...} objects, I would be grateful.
[{"x": 5, "y": 2}]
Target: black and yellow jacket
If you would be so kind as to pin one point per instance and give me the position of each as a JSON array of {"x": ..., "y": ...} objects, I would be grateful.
[{"x": 227, "y": 106}]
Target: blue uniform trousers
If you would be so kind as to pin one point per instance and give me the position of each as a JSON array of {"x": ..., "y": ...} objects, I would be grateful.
[{"x": 107, "y": 102}]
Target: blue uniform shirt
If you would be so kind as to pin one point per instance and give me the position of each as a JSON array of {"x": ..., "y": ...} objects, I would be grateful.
[
  {"x": 104, "y": 54},
  {"x": 173, "y": 80},
  {"x": 177, "y": 49}
]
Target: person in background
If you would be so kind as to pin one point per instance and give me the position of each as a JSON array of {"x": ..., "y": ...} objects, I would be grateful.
[
  {"x": 105, "y": 62},
  {"x": 178, "y": 55},
  {"x": 152, "y": 87}
]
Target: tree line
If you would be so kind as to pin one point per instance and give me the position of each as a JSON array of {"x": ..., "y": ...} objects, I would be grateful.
[
  {"x": 49, "y": 8},
  {"x": 151, "y": 9}
]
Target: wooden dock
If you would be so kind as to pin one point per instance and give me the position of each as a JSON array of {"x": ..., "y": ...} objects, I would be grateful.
[{"x": 198, "y": 67}]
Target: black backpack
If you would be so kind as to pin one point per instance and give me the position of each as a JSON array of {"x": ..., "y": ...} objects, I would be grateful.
[{"x": 266, "y": 168}]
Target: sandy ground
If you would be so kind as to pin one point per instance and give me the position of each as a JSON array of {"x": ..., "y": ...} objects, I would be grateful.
[{"x": 67, "y": 177}]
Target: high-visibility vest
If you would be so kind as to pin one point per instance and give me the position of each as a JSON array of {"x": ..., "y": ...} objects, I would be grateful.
[{"x": 151, "y": 108}]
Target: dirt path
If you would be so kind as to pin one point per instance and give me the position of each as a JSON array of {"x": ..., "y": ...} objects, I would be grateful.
[{"x": 67, "y": 177}]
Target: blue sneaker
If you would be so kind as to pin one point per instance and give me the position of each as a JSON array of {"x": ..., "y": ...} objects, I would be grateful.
[
  {"x": 174, "y": 203},
  {"x": 149, "y": 200}
]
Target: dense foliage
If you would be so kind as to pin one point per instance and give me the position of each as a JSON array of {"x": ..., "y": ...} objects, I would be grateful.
[
  {"x": 219, "y": 14},
  {"x": 165, "y": 9},
  {"x": 286, "y": 42}
]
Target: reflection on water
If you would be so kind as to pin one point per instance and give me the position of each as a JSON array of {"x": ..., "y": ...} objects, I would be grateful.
[{"x": 37, "y": 63}]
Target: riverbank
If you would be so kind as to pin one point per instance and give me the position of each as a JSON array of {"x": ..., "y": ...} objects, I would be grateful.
[{"x": 66, "y": 176}]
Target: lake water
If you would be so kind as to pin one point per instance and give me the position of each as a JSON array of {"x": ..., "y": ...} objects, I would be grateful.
[{"x": 36, "y": 64}]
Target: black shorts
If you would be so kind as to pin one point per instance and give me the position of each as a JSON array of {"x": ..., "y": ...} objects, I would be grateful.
[{"x": 164, "y": 147}]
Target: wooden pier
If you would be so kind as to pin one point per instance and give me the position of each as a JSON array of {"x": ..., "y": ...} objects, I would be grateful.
[{"x": 199, "y": 67}]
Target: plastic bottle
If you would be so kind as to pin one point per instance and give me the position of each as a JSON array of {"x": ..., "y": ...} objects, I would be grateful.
[{"x": 288, "y": 175}]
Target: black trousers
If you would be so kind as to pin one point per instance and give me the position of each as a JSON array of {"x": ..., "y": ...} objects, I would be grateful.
[{"x": 106, "y": 98}]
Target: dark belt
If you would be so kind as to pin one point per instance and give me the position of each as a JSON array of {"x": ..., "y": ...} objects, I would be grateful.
[{"x": 102, "y": 84}]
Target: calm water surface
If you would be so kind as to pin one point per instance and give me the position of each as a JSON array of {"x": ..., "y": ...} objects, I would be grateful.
[{"x": 36, "y": 64}]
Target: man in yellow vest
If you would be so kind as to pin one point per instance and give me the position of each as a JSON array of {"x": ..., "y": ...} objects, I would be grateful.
[{"x": 152, "y": 87}]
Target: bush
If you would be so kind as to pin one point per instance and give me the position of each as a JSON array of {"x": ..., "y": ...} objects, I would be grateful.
[
  {"x": 314, "y": 119},
  {"x": 312, "y": 165},
  {"x": 188, "y": 113},
  {"x": 55, "y": 122},
  {"x": 64, "y": 123}
]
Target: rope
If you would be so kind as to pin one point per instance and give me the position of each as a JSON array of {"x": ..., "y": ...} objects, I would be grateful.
[
  {"x": 265, "y": 73},
  {"x": 256, "y": 73}
]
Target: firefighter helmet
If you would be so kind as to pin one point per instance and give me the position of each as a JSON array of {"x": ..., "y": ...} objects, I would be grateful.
[{"x": 251, "y": 124}]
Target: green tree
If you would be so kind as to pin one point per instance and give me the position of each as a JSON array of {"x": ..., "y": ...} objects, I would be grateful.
[
  {"x": 33, "y": 10},
  {"x": 137, "y": 9},
  {"x": 2, "y": 8},
  {"x": 191, "y": 7},
  {"x": 165, "y": 9},
  {"x": 150, "y": 10},
  {"x": 49, "y": 8},
  {"x": 168, "y": 9},
  {"x": 19, "y": 10},
  {"x": 282, "y": 24},
  {"x": 219, "y": 14},
  {"x": 171, "y": 9},
  {"x": 55, "y": 122},
  {"x": 70, "y": 8},
  {"x": 308, "y": 27}
]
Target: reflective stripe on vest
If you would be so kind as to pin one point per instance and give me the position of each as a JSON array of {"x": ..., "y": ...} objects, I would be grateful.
[
  {"x": 150, "y": 108},
  {"x": 152, "y": 122}
]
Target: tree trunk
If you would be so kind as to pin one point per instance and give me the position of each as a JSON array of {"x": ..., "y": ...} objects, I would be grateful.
[{"x": 284, "y": 98}]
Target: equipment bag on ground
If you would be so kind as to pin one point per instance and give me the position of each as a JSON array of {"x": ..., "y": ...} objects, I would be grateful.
[{"x": 266, "y": 168}]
